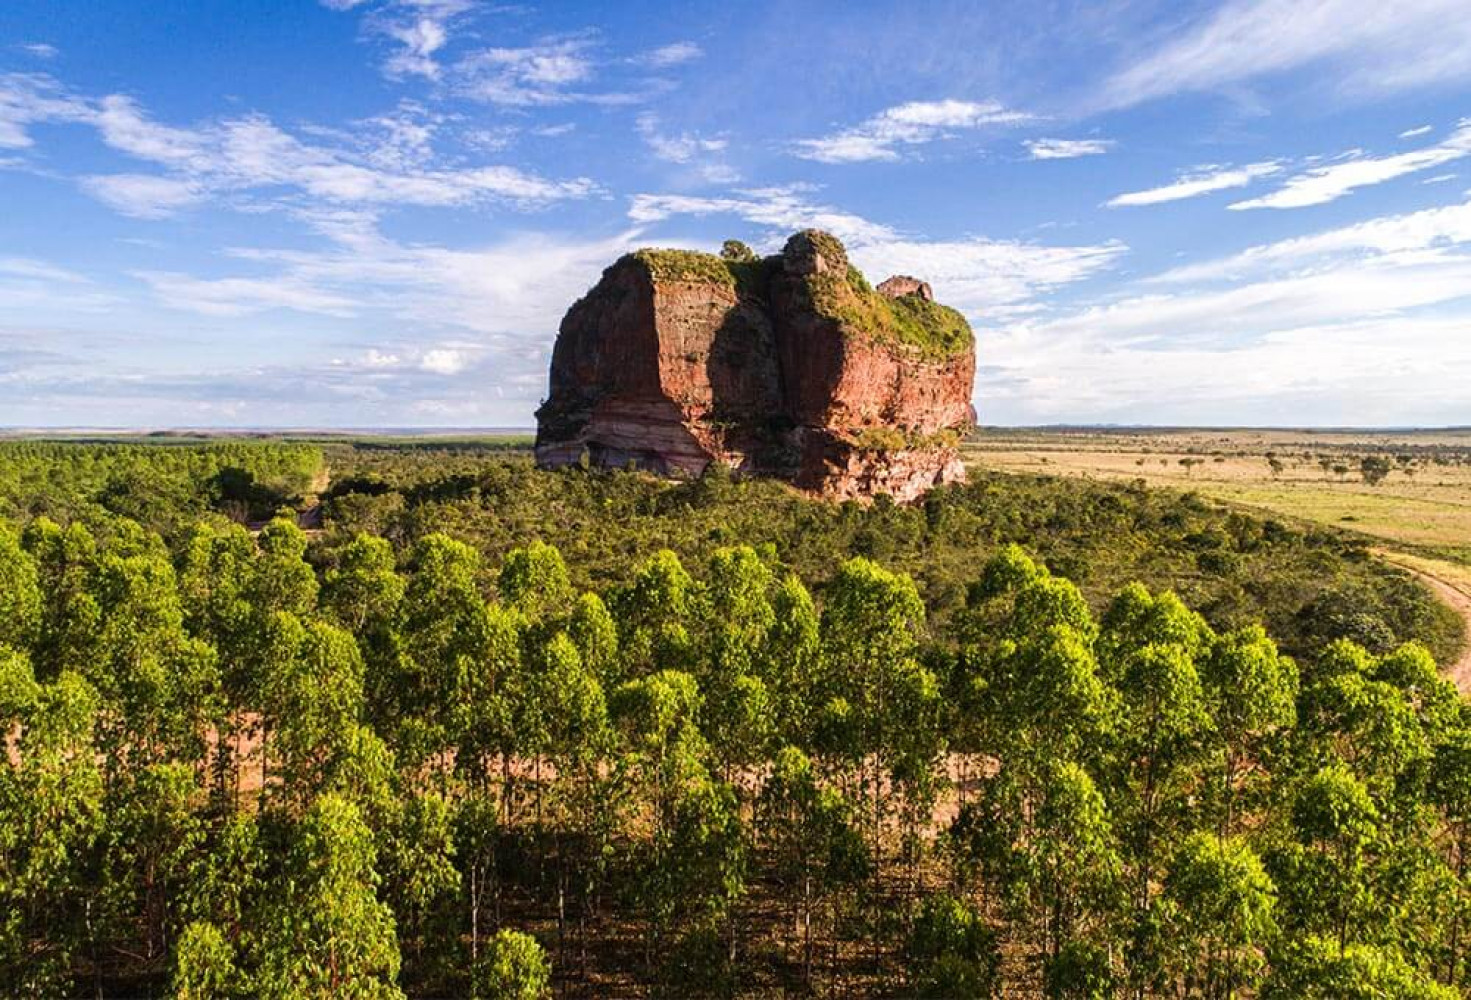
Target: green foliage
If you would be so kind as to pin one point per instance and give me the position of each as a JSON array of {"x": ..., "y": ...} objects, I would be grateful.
[
  {"x": 932, "y": 330},
  {"x": 326, "y": 933},
  {"x": 204, "y": 965},
  {"x": 951, "y": 952},
  {"x": 513, "y": 967},
  {"x": 717, "y": 740},
  {"x": 1315, "y": 969}
]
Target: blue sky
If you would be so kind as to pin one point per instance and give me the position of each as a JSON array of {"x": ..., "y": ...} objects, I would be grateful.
[{"x": 374, "y": 212}]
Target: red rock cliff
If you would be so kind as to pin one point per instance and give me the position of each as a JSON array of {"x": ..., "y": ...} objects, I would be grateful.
[{"x": 791, "y": 366}]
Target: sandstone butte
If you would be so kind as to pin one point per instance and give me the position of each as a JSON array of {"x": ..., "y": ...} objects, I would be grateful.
[{"x": 791, "y": 366}]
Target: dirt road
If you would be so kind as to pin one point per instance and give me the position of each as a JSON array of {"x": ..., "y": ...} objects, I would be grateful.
[{"x": 1451, "y": 592}]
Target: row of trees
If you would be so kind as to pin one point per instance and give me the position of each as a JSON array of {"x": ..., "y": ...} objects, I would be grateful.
[{"x": 234, "y": 771}]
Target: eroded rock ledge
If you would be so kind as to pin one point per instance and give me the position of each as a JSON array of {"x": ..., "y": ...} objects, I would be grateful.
[{"x": 790, "y": 366}]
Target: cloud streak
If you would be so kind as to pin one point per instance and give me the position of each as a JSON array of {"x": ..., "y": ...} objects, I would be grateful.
[
  {"x": 251, "y": 154},
  {"x": 1066, "y": 149},
  {"x": 1379, "y": 48},
  {"x": 1201, "y": 181},
  {"x": 1319, "y": 185},
  {"x": 885, "y": 135}
]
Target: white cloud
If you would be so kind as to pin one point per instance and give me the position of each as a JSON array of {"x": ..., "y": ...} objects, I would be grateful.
[
  {"x": 1202, "y": 180},
  {"x": 1411, "y": 133},
  {"x": 252, "y": 154},
  {"x": 25, "y": 267},
  {"x": 1370, "y": 48},
  {"x": 1358, "y": 325},
  {"x": 27, "y": 99},
  {"x": 674, "y": 148},
  {"x": 242, "y": 296},
  {"x": 41, "y": 50},
  {"x": 420, "y": 38},
  {"x": 142, "y": 196},
  {"x": 1439, "y": 179},
  {"x": 1066, "y": 149},
  {"x": 910, "y": 124},
  {"x": 380, "y": 359},
  {"x": 532, "y": 76},
  {"x": 1415, "y": 231},
  {"x": 418, "y": 29},
  {"x": 687, "y": 148},
  {"x": 444, "y": 361},
  {"x": 673, "y": 54},
  {"x": 1319, "y": 185},
  {"x": 979, "y": 276}
]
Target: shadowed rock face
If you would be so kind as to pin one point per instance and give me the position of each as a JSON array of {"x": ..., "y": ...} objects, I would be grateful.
[{"x": 791, "y": 367}]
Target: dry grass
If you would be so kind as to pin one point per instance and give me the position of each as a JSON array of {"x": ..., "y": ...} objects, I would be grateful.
[
  {"x": 1419, "y": 516},
  {"x": 1425, "y": 506}
]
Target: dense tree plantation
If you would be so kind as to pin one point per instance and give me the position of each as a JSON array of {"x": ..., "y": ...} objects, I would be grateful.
[{"x": 499, "y": 733}]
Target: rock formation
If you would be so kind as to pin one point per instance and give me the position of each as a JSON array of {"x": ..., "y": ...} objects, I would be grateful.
[{"x": 790, "y": 366}]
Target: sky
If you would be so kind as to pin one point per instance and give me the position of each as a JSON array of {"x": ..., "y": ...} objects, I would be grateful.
[{"x": 373, "y": 213}]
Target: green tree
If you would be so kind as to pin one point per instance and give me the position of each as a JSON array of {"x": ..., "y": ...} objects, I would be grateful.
[
  {"x": 20, "y": 594},
  {"x": 1220, "y": 917},
  {"x": 951, "y": 952},
  {"x": 51, "y": 814},
  {"x": 513, "y": 968},
  {"x": 1252, "y": 691},
  {"x": 1313, "y": 968},
  {"x": 326, "y": 934},
  {"x": 204, "y": 965},
  {"x": 534, "y": 581}
]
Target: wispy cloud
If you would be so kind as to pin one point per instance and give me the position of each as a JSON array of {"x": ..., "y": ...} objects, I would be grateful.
[
  {"x": 1066, "y": 149},
  {"x": 416, "y": 29},
  {"x": 1411, "y": 133},
  {"x": 1392, "y": 234},
  {"x": 40, "y": 50},
  {"x": 884, "y": 135},
  {"x": 674, "y": 54},
  {"x": 983, "y": 277},
  {"x": 1340, "y": 326},
  {"x": 27, "y": 99},
  {"x": 530, "y": 76},
  {"x": 687, "y": 148},
  {"x": 252, "y": 154},
  {"x": 1379, "y": 48},
  {"x": 1319, "y": 185},
  {"x": 1197, "y": 182}
]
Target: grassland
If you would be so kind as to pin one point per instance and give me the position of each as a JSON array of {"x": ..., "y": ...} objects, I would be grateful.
[{"x": 1418, "y": 516}]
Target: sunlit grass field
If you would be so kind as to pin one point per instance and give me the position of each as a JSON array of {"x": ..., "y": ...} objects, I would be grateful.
[{"x": 1422, "y": 506}]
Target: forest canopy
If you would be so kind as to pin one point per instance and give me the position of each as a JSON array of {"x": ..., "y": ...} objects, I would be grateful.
[{"x": 489, "y": 731}]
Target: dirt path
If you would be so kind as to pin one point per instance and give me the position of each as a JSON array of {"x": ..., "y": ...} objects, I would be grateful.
[{"x": 1458, "y": 597}]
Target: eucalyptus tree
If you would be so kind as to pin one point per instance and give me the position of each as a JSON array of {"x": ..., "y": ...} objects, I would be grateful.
[
  {"x": 871, "y": 628},
  {"x": 1252, "y": 691},
  {"x": 790, "y": 664},
  {"x": 812, "y": 833},
  {"x": 324, "y": 931},
  {"x": 20, "y": 594},
  {"x": 204, "y": 965},
  {"x": 514, "y": 967},
  {"x": 51, "y": 816},
  {"x": 1220, "y": 917}
]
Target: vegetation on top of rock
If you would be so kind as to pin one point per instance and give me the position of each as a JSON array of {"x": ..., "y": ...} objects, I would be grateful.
[
  {"x": 839, "y": 291},
  {"x": 744, "y": 274},
  {"x": 935, "y": 331}
]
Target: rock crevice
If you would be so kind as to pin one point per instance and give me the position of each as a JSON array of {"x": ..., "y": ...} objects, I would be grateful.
[{"x": 790, "y": 366}]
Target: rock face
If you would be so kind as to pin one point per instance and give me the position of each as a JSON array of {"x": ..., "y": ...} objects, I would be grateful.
[{"x": 790, "y": 366}]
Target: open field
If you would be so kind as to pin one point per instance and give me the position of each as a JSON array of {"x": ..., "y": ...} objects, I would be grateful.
[
  {"x": 1423, "y": 504},
  {"x": 1419, "y": 514}
]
